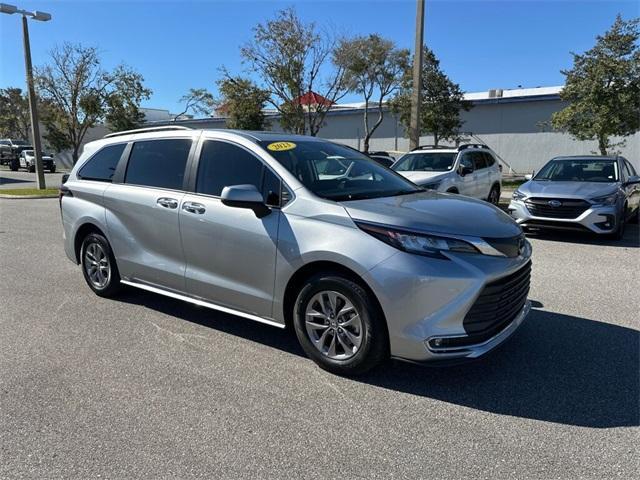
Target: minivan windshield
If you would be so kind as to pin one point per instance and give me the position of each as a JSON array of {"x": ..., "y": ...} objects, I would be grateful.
[
  {"x": 336, "y": 172},
  {"x": 425, "y": 162},
  {"x": 579, "y": 170}
]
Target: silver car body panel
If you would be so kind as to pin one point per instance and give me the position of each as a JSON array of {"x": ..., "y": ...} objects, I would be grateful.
[{"x": 228, "y": 259}]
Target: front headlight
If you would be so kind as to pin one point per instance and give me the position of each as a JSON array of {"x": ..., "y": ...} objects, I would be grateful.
[
  {"x": 518, "y": 195},
  {"x": 417, "y": 242},
  {"x": 432, "y": 185},
  {"x": 610, "y": 199}
]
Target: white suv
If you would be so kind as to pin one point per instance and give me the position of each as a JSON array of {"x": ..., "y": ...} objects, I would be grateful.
[{"x": 469, "y": 169}]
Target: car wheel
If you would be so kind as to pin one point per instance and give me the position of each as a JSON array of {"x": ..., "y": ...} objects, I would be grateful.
[
  {"x": 53, "y": 170},
  {"x": 338, "y": 325},
  {"x": 452, "y": 190},
  {"x": 14, "y": 166},
  {"x": 99, "y": 266},
  {"x": 618, "y": 234},
  {"x": 494, "y": 195},
  {"x": 32, "y": 168}
]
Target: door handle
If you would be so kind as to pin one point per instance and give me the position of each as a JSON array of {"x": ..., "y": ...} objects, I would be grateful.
[
  {"x": 193, "y": 207},
  {"x": 167, "y": 202}
]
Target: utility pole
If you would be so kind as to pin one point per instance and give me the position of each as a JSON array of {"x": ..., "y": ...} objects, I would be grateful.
[
  {"x": 33, "y": 106},
  {"x": 416, "y": 94},
  {"x": 33, "y": 101}
]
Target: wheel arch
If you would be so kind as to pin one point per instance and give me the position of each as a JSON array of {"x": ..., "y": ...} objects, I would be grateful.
[
  {"x": 82, "y": 231},
  {"x": 322, "y": 266}
]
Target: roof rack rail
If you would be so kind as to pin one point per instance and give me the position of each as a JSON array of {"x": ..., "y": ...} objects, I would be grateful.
[
  {"x": 432, "y": 147},
  {"x": 147, "y": 130},
  {"x": 473, "y": 145}
]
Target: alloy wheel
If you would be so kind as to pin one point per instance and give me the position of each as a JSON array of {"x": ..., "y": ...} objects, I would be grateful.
[
  {"x": 97, "y": 265},
  {"x": 333, "y": 325}
]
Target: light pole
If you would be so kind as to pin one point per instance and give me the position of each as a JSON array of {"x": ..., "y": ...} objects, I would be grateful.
[
  {"x": 35, "y": 126},
  {"x": 414, "y": 122}
]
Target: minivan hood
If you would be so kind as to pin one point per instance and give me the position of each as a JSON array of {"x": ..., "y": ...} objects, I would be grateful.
[
  {"x": 584, "y": 190},
  {"x": 435, "y": 212},
  {"x": 423, "y": 177}
]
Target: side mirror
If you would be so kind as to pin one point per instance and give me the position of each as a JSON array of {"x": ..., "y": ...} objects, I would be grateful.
[
  {"x": 65, "y": 177},
  {"x": 633, "y": 179},
  {"x": 244, "y": 196},
  {"x": 528, "y": 176},
  {"x": 465, "y": 171}
]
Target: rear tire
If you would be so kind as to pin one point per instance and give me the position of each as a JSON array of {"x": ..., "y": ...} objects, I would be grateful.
[
  {"x": 494, "y": 195},
  {"x": 338, "y": 325},
  {"x": 31, "y": 168},
  {"x": 99, "y": 266}
]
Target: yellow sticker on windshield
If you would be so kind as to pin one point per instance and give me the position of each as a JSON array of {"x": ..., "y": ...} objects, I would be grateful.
[{"x": 281, "y": 146}]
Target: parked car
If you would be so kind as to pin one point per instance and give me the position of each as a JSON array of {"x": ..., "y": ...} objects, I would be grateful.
[
  {"x": 10, "y": 151},
  {"x": 27, "y": 160},
  {"x": 470, "y": 169},
  {"x": 586, "y": 193},
  {"x": 361, "y": 267},
  {"x": 383, "y": 158}
]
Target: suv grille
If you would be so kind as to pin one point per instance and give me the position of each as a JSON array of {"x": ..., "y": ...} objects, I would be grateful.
[
  {"x": 498, "y": 305},
  {"x": 567, "y": 207}
]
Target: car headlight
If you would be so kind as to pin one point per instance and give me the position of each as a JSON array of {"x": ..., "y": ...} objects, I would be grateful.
[
  {"x": 431, "y": 186},
  {"x": 417, "y": 242},
  {"x": 610, "y": 199},
  {"x": 518, "y": 195}
]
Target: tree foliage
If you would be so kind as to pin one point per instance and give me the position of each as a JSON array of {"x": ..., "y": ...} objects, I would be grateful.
[
  {"x": 15, "y": 119},
  {"x": 242, "y": 103},
  {"x": 373, "y": 66},
  {"x": 290, "y": 58},
  {"x": 603, "y": 88},
  {"x": 78, "y": 92},
  {"x": 441, "y": 101},
  {"x": 199, "y": 101}
]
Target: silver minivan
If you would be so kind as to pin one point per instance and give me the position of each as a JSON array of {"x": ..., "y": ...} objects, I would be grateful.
[{"x": 362, "y": 265}]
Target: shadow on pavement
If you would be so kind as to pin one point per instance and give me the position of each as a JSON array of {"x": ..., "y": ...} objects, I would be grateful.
[
  {"x": 631, "y": 237},
  {"x": 9, "y": 181},
  {"x": 557, "y": 368}
]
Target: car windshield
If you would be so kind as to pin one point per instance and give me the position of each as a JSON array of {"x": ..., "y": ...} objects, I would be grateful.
[
  {"x": 425, "y": 162},
  {"x": 20, "y": 142},
  {"x": 336, "y": 172},
  {"x": 579, "y": 170},
  {"x": 30, "y": 152}
]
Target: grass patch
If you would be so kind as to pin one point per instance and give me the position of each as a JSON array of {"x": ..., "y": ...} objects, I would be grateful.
[
  {"x": 512, "y": 183},
  {"x": 28, "y": 191}
]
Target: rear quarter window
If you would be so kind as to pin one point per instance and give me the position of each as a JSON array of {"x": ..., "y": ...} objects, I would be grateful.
[{"x": 102, "y": 165}]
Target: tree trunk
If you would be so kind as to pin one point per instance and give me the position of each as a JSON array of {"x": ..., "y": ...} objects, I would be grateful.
[
  {"x": 436, "y": 139},
  {"x": 602, "y": 144},
  {"x": 74, "y": 155},
  {"x": 367, "y": 135}
]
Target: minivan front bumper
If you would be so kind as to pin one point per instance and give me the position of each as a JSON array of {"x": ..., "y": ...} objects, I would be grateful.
[{"x": 427, "y": 303}]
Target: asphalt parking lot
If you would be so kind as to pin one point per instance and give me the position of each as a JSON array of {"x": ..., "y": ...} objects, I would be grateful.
[
  {"x": 147, "y": 387},
  {"x": 24, "y": 179}
]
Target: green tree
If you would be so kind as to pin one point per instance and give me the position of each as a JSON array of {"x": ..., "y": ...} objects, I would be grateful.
[
  {"x": 242, "y": 103},
  {"x": 15, "y": 119},
  {"x": 291, "y": 58},
  {"x": 373, "y": 66},
  {"x": 199, "y": 101},
  {"x": 78, "y": 93},
  {"x": 603, "y": 88},
  {"x": 442, "y": 101}
]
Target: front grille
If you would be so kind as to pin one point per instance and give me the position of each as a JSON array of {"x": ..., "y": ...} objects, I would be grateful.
[
  {"x": 498, "y": 305},
  {"x": 555, "y": 225},
  {"x": 567, "y": 207}
]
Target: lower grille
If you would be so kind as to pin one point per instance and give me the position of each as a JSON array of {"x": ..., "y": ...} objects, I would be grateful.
[
  {"x": 556, "y": 207},
  {"x": 498, "y": 305}
]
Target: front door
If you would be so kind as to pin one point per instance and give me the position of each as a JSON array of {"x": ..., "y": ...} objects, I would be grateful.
[
  {"x": 467, "y": 183},
  {"x": 230, "y": 252}
]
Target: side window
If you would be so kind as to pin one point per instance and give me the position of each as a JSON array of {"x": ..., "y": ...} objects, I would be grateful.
[
  {"x": 630, "y": 169},
  {"x": 158, "y": 163},
  {"x": 223, "y": 164},
  {"x": 466, "y": 161},
  {"x": 102, "y": 165},
  {"x": 479, "y": 160},
  {"x": 489, "y": 158}
]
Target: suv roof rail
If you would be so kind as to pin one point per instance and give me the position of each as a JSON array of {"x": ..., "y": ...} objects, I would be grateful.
[
  {"x": 147, "y": 130},
  {"x": 473, "y": 145},
  {"x": 432, "y": 147}
]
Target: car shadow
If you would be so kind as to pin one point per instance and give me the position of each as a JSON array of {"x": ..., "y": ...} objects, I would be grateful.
[
  {"x": 9, "y": 181},
  {"x": 556, "y": 368},
  {"x": 631, "y": 237}
]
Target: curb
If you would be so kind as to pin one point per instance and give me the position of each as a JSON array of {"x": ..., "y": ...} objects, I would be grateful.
[{"x": 27, "y": 197}]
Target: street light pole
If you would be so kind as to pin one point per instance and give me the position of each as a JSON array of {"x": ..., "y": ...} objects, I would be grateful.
[
  {"x": 416, "y": 94},
  {"x": 33, "y": 105},
  {"x": 35, "y": 126}
]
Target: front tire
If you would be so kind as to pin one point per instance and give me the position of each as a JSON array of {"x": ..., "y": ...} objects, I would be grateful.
[
  {"x": 618, "y": 234},
  {"x": 99, "y": 266},
  {"x": 31, "y": 168},
  {"x": 338, "y": 325}
]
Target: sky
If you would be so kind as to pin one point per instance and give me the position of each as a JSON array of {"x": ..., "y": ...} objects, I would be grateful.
[{"x": 178, "y": 45}]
